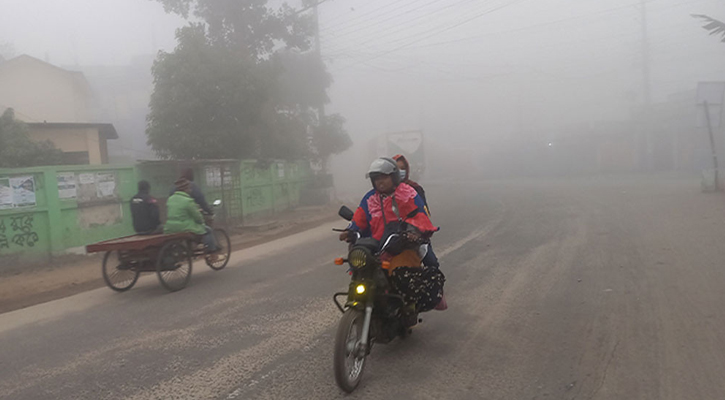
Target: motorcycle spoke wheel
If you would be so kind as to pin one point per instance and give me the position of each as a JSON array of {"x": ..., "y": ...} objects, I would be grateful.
[{"x": 349, "y": 354}]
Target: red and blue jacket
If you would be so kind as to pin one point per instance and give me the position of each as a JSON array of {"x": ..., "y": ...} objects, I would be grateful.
[{"x": 369, "y": 220}]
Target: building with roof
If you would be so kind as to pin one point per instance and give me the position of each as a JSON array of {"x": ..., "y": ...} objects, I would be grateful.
[{"x": 57, "y": 105}]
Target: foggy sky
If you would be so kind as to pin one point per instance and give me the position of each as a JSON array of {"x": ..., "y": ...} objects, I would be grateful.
[
  {"x": 530, "y": 65},
  {"x": 586, "y": 66},
  {"x": 87, "y": 32}
]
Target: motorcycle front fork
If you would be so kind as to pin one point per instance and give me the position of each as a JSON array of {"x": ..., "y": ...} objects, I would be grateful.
[{"x": 366, "y": 328}]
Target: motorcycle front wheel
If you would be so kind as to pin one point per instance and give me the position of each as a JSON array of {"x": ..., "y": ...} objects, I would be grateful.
[{"x": 349, "y": 355}]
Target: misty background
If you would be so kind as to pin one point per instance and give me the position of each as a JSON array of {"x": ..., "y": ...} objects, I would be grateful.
[{"x": 477, "y": 77}]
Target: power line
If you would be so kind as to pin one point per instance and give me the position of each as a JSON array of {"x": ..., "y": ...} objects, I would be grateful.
[
  {"x": 387, "y": 33},
  {"x": 556, "y": 22},
  {"x": 603, "y": 55},
  {"x": 453, "y": 76},
  {"x": 357, "y": 17},
  {"x": 309, "y": 7},
  {"x": 341, "y": 14},
  {"x": 338, "y": 35},
  {"x": 609, "y": 53},
  {"x": 474, "y": 17},
  {"x": 548, "y": 23},
  {"x": 376, "y": 55}
]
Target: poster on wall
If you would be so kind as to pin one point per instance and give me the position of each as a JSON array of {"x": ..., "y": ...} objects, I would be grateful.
[
  {"x": 280, "y": 170},
  {"x": 67, "y": 188},
  {"x": 105, "y": 184},
  {"x": 87, "y": 179},
  {"x": 213, "y": 177},
  {"x": 23, "y": 191},
  {"x": 6, "y": 194}
]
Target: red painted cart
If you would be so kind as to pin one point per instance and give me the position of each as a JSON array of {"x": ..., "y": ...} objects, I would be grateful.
[{"x": 170, "y": 256}]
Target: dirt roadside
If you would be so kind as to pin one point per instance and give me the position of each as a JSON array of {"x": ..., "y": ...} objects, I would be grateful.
[{"x": 27, "y": 285}]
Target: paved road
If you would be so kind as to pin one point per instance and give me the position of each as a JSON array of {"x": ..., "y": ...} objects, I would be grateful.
[{"x": 596, "y": 289}]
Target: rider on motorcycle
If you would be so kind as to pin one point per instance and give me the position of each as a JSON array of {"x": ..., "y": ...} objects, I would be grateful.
[{"x": 389, "y": 202}]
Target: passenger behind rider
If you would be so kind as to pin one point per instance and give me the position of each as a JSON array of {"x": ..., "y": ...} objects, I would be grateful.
[
  {"x": 195, "y": 192},
  {"x": 389, "y": 201},
  {"x": 183, "y": 215},
  {"x": 430, "y": 259},
  {"x": 404, "y": 167},
  {"x": 145, "y": 211}
]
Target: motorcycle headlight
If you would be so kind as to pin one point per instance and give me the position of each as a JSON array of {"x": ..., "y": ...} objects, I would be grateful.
[{"x": 358, "y": 258}]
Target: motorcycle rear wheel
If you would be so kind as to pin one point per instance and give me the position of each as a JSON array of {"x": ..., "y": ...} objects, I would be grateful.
[{"x": 349, "y": 359}]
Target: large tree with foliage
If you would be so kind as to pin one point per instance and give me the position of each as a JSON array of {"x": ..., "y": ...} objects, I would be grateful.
[
  {"x": 16, "y": 148},
  {"x": 241, "y": 83}
]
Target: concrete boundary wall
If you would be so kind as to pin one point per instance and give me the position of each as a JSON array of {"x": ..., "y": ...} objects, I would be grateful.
[
  {"x": 46, "y": 211},
  {"x": 61, "y": 209}
]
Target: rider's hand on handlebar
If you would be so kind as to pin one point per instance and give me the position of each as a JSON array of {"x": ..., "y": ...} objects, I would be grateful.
[
  {"x": 344, "y": 236},
  {"x": 413, "y": 236}
]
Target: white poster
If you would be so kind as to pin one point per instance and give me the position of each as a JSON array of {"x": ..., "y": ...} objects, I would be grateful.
[
  {"x": 87, "y": 179},
  {"x": 280, "y": 170},
  {"x": 105, "y": 184},
  {"x": 67, "y": 185},
  {"x": 213, "y": 177},
  {"x": 23, "y": 191},
  {"x": 6, "y": 194}
]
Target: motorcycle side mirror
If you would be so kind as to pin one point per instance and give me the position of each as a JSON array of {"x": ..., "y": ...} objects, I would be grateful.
[
  {"x": 217, "y": 203},
  {"x": 346, "y": 213}
]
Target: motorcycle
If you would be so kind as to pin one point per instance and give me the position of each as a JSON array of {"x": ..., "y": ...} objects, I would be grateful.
[{"x": 373, "y": 312}]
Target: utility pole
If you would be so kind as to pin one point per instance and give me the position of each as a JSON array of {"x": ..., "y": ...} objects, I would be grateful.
[
  {"x": 712, "y": 145},
  {"x": 646, "y": 84},
  {"x": 646, "y": 88},
  {"x": 318, "y": 51}
]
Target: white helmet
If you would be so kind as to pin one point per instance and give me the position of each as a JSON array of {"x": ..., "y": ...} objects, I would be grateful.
[{"x": 384, "y": 166}]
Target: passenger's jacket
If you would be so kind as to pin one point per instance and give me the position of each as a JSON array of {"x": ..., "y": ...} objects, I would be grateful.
[
  {"x": 414, "y": 184},
  {"x": 183, "y": 215},
  {"x": 145, "y": 213},
  {"x": 198, "y": 197},
  {"x": 371, "y": 217}
]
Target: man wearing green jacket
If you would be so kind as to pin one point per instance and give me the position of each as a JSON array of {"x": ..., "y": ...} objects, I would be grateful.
[{"x": 183, "y": 215}]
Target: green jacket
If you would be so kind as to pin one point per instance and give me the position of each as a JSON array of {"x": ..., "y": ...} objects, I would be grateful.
[{"x": 183, "y": 215}]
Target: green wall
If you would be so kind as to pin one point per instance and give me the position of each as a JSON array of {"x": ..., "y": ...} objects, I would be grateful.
[
  {"x": 57, "y": 221},
  {"x": 78, "y": 205}
]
